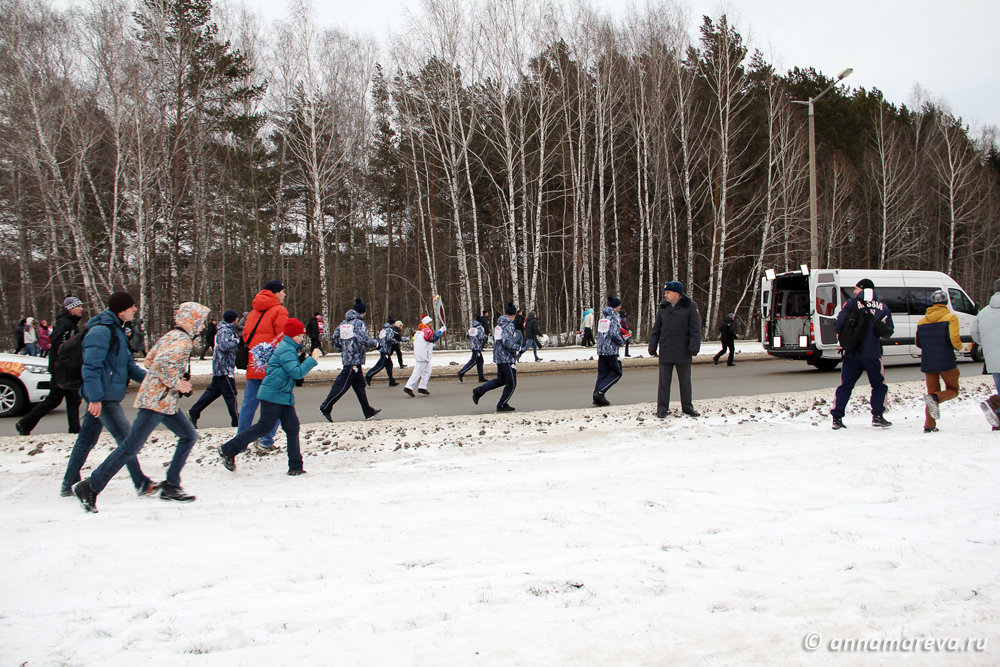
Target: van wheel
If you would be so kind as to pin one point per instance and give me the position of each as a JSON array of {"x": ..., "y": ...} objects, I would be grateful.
[
  {"x": 826, "y": 365},
  {"x": 977, "y": 353},
  {"x": 12, "y": 399}
]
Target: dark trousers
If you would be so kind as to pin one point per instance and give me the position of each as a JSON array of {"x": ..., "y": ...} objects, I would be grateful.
[
  {"x": 609, "y": 372},
  {"x": 270, "y": 415},
  {"x": 726, "y": 345},
  {"x": 350, "y": 378},
  {"x": 850, "y": 373},
  {"x": 399, "y": 354},
  {"x": 506, "y": 378},
  {"x": 384, "y": 361},
  {"x": 224, "y": 386},
  {"x": 477, "y": 361},
  {"x": 588, "y": 337},
  {"x": 55, "y": 397},
  {"x": 663, "y": 388},
  {"x": 205, "y": 348}
]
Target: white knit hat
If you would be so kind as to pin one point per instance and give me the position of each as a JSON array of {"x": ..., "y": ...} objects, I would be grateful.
[{"x": 426, "y": 319}]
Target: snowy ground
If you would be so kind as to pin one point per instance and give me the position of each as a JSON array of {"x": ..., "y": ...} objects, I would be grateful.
[{"x": 588, "y": 537}]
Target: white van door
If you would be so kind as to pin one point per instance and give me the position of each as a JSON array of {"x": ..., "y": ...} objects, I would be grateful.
[
  {"x": 826, "y": 306},
  {"x": 965, "y": 308},
  {"x": 765, "y": 309}
]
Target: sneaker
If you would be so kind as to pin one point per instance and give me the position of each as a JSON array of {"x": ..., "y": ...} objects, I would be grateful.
[
  {"x": 424, "y": 392},
  {"x": 881, "y": 422},
  {"x": 460, "y": 377},
  {"x": 715, "y": 361},
  {"x": 408, "y": 391},
  {"x": 475, "y": 397},
  {"x": 930, "y": 429},
  {"x": 661, "y": 415},
  {"x": 374, "y": 412},
  {"x": 66, "y": 491},
  {"x": 295, "y": 472},
  {"x": 194, "y": 420},
  {"x": 933, "y": 406},
  {"x": 175, "y": 494},
  {"x": 990, "y": 414},
  {"x": 19, "y": 427},
  {"x": 394, "y": 384},
  {"x": 505, "y": 408},
  {"x": 368, "y": 380},
  {"x": 326, "y": 414},
  {"x": 692, "y": 413},
  {"x": 228, "y": 461},
  {"x": 600, "y": 400},
  {"x": 151, "y": 489},
  {"x": 264, "y": 450},
  {"x": 86, "y": 495},
  {"x": 838, "y": 424}
]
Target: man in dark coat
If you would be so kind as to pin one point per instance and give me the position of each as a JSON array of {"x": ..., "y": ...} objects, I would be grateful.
[
  {"x": 208, "y": 336},
  {"x": 67, "y": 324},
  {"x": 675, "y": 338},
  {"x": 728, "y": 339},
  {"x": 312, "y": 330},
  {"x": 532, "y": 332},
  {"x": 867, "y": 358}
]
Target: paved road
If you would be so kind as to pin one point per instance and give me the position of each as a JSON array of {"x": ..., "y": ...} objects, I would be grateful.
[{"x": 541, "y": 391}]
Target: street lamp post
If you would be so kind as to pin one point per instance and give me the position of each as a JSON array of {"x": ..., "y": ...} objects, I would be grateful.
[{"x": 813, "y": 225}]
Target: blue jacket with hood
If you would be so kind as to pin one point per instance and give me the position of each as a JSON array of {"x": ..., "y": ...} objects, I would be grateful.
[
  {"x": 107, "y": 367},
  {"x": 871, "y": 346},
  {"x": 505, "y": 341},
  {"x": 610, "y": 340},
  {"x": 283, "y": 369},
  {"x": 353, "y": 347}
]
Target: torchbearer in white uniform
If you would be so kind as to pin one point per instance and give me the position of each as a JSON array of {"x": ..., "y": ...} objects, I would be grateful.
[{"x": 423, "y": 350}]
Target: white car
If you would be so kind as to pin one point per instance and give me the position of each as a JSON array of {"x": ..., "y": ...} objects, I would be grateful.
[{"x": 23, "y": 380}]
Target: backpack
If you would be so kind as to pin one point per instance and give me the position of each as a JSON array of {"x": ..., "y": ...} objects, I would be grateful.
[
  {"x": 852, "y": 334},
  {"x": 243, "y": 350},
  {"x": 67, "y": 368}
]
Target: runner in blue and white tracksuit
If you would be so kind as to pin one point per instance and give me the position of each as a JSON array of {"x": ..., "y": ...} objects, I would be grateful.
[
  {"x": 477, "y": 339},
  {"x": 609, "y": 339},
  {"x": 352, "y": 339},
  {"x": 505, "y": 348},
  {"x": 388, "y": 338}
]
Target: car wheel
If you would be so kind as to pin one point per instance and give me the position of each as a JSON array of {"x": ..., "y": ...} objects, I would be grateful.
[
  {"x": 12, "y": 398},
  {"x": 977, "y": 353}
]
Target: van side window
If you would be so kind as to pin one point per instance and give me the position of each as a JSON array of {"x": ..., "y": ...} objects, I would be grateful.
[
  {"x": 826, "y": 300},
  {"x": 960, "y": 302},
  {"x": 920, "y": 299},
  {"x": 894, "y": 298}
]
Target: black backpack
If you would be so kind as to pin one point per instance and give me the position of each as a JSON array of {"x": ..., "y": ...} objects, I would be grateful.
[
  {"x": 67, "y": 368},
  {"x": 852, "y": 334}
]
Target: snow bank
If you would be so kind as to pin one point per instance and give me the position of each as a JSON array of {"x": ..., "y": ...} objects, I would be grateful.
[{"x": 599, "y": 536}]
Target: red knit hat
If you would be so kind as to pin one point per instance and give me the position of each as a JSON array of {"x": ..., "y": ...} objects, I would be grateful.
[{"x": 293, "y": 327}]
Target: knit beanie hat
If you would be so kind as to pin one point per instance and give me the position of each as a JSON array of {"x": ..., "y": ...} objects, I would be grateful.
[
  {"x": 865, "y": 283},
  {"x": 359, "y": 306},
  {"x": 71, "y": 302},
  {"x": 119, "y": 302},
  {"x": 426, "y": 319},
  {"x": 511, "y": 309},
  {"x": 293, "y": 327},
  {"x": 614, "y": 301},
  {"x": 939, "y": 297},
  {"x": 230, "y": 316},
  {"x": 274, "y": 286}
]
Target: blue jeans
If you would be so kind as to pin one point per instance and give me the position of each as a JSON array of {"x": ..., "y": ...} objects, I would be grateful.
[
  {"x": 850, "y": 373},
  {"x": 112, "y": 418},
  {"x": 30, "y": 350},
  {"x": 145, "y": 422},
  {"x": 270, "y": 415},
  {"x": 249, "y": 409},
  {"x": 533, "y": 344}
]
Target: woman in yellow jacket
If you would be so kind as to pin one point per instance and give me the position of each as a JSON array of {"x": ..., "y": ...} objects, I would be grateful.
[{"x": 938, "y": 338}]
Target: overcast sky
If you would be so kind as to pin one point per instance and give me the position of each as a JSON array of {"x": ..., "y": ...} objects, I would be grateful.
[{"x": 948, "y": 47}]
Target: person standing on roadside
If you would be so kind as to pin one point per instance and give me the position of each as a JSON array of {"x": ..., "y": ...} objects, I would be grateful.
[
  {"x": 505, "y": 348},
  {"x": 609, "y": 339},
  {"x": 138, "y": 337},
  {"x": 277, "y": 400},
  {"x": 108, "y": 367},
  {"x": 938, "y": 337},
  {"x": 588, "y": 328},
  {"x": 728, "y": 336},
  {"x": 263, "y": 324},
  {"x": 44, "y": 339},
  {"x": 352, "y": 340},
  {"x": 165, "y": 382},
  {"x": 867, "y": 358},
  {"x": 223, "y": 369},
  {"x": 532, "y": 332},
  {"x": 208, "y": 338},
  {"x": 676, "y": 339},
  {"x": 312, "y": 333},
  {"x": 67, "y": 325},
  {"x": 626, "y": 330},
  {"x": 30, "y": 337},
  {"x": 986, "y": 334}
]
